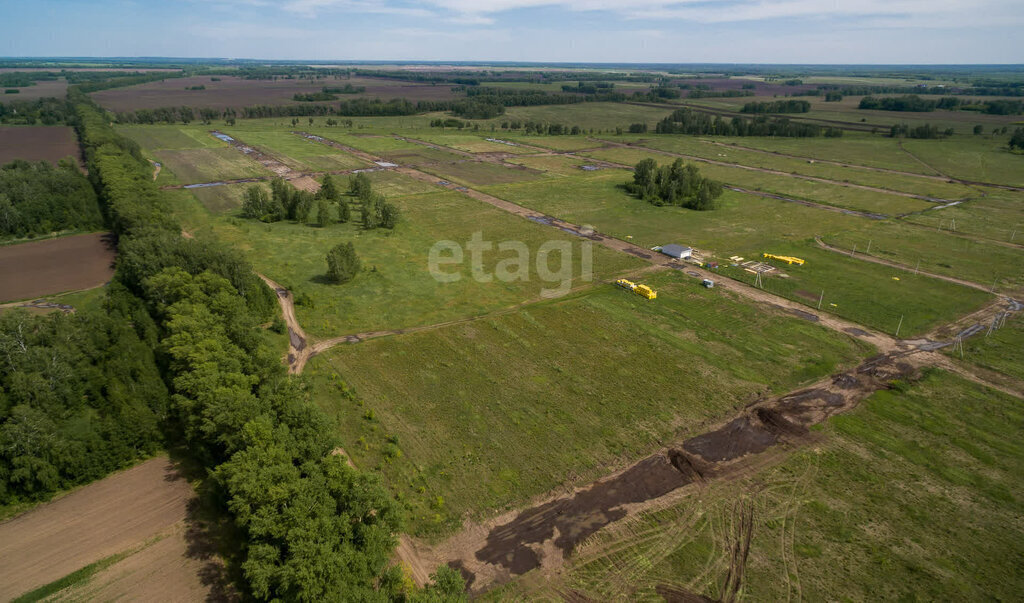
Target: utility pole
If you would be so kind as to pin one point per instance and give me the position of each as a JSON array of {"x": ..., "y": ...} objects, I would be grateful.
[
  {"x": 868, "y": 250},
  {"x": 918, "y": 265},
  {"x": 822, "y": 297},
  {"x": 854, "y": 252},
  {"x": 898, "y": 326}
]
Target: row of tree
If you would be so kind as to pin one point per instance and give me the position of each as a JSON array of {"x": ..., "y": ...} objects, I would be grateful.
[
  {"x": 675, "y": 184},
  {"x": 285, "y": 202},
  {"x": 38, "y": 198},
  {"x": 688, "y": 121},
  {"x": 916, "y": 103},
  {"x": 45, "y": 111},
  {"x": 308, "y": 526},
  {"x": 779, "y": 106},
  {"x": 922, "y": 131}
]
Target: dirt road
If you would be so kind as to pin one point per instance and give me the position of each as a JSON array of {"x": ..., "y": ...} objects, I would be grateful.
[
  {"x": 298, "y": 350},
  {"x": 111, "y": 516}
]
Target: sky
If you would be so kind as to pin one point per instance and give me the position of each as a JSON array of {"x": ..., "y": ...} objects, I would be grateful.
[{"x": 620, "y": 31}]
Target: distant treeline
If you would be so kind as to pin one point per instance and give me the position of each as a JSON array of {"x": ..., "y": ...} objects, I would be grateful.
[
  {"x": 922, "y": 131},
  {"x": 699, "y": 93},
  {"x": 780, "y": 106},
  {"x": 688, "y": 121},
  {"x": 46, "y": 111},
  {"x": 121, "y": 81},
  {"x": 37, "y": 199},
  {"x": 328, "y": 94},
  {"x": 304, "y": 525},
  {"x": 916, "y": 103},
  {"x": 979, "y": 89}
]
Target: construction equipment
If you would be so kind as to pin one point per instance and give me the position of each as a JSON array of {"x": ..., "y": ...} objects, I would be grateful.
[
  {"x": 641, "y": 290},
  {"x": 645, "y": 291},
  {"x": 785, "y": 258}
]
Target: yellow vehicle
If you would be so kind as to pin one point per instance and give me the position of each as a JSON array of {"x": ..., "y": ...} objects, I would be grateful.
[
  {"x": 785, "y": 258},
  {"x": 645, "y": 291},
  {"x": 626, "y": 284}
]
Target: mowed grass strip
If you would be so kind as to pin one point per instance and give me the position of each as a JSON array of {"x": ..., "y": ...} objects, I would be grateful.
[
  {"x": 479, "y": 173},
  {"x": 915, "y": 495},
  {"x": 396, "y": 288},
  {"x": 172, "y": 137},
  {"x": 478, "y": 418}
]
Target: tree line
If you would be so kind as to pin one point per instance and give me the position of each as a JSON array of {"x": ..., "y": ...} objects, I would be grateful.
[
  {"x": 922, "y": 131},
  {"x": 308, "y": 526},
  {"x": 780, "y": 106},
  {"x": 916, "y": 103},
  {"x": 675, "y": 184},
  {"x": 46, "y": 111},
  {"x": 688, "y": 121},
  {"x": 38, "y": 198}
]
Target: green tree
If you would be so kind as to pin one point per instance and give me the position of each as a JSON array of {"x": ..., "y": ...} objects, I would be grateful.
[
  {"x": 1017, "y": 140},
  {"x": 256, "y": 203},
  {"x": 328, "y": 189},
  {"x": 323, "y": 212},
  {"x": 303, "y": 203},
  {"x": 360, "y": 186},
  {"x": 342, "y": 263},
  {"x": 389, "y": 215},
  {"x": 344, "y": 211}
]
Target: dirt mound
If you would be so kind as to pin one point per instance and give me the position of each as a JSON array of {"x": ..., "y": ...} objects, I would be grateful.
[
  {"x": 573, "y": 519},
  {"x": 777, "y": 422},
  {"x": 738, "y": 438}
]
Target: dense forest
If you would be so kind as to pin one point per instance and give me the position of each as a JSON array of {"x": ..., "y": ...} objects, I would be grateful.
[
  {"x": 80, "y": 396},
  {"x": 309, "y": 526},
  {"x": 688, "y": 121},
  {"x": 38, "y": 198},
  {"x": 43, "y": 111},
  {"x": 675, "y": 184}
]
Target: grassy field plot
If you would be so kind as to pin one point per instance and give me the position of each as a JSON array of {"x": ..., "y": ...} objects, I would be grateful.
[
  {"x": 829, "y": 194},
  {"x": 556, "y": 143},
  {"x": 551, "y": 164},
  {"x": 941, "y": 252},
  {"x": 192, "y": 166},
  {"x": 477, "y": 173},
  {"x": 396, "y": 289},
  {"x": 913, "y": 495},
  {"x": 1002, "y": 350},
  {"x": 971, "y": 158},
  {"x": 909, "y": 184},
  {"x": 173, "y": 137},
  {"x": 297, "y": 152},
  {"x": 480, "y": 417},
  {"x": 867, "y": 293},
  {"x": 221, "y": 199},
  {"x": 998, "y": 216},
  {"x": 473, "y": 143}
]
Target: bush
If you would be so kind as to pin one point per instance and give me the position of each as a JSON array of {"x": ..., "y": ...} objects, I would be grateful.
[{"x": 342, "y": 263}]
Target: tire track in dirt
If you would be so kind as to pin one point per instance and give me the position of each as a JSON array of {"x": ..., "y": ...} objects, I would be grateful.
[
  {"x": 762, "y": 170},
  {"x": 876, "y": 260},
  {"x": 298, "y": 350}
]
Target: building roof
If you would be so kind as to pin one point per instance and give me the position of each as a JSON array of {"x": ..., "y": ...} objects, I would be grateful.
[{"x": 675, "y": 249}]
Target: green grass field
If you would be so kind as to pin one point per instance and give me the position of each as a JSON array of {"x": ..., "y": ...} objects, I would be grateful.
[
  {"x": 995, "y": 216},
  {"x": 1002, "y": 350},
  {"x": 485, "y": 415},
  {"x": 396, "y": 289},
  {"x": 192, "y": 166},
  {"x": 915, "y": 495},
  {"x": 297, "y": 152}
]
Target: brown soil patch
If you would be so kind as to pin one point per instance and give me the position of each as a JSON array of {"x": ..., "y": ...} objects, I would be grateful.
[
  {"x": 38, "y": 143},
  {"x": 107, "y": 517},
  {"x": 39, "y": 268}
]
